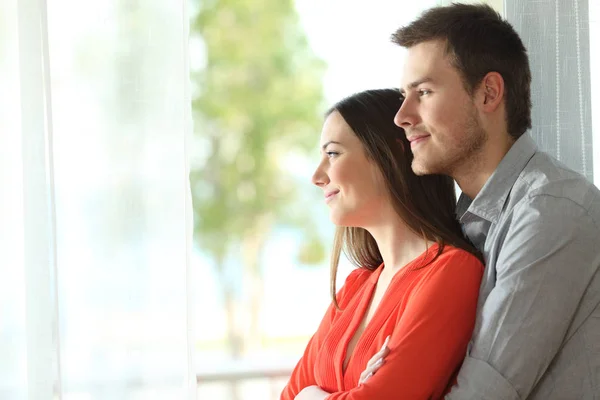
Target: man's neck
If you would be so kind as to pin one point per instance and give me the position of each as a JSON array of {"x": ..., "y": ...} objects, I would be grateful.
[{"x": 472, "y": 175}]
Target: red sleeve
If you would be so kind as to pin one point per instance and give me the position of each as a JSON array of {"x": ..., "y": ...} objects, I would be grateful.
[
  {"x": 303, "y": 374},
  {"x": 432, "y": 335}
]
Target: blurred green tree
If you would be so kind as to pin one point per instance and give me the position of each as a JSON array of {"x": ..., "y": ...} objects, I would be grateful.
[{"x": 258, "y": 100}]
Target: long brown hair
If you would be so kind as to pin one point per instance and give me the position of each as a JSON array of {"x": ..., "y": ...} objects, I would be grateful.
[{"x": 426, "y": 204}]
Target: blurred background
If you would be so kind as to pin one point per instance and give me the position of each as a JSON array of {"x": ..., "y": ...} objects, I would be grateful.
[
  {"x": 159, "y": 234},
  {"x": 263, "y": 74}
]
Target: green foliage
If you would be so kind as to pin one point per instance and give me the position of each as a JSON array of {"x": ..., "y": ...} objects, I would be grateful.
[
  {"x": 259, "y": 97},
  {"x": 312, "y": 251}
]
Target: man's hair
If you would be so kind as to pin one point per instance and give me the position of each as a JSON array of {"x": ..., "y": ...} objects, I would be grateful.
[{"x": 479, "y": 41}]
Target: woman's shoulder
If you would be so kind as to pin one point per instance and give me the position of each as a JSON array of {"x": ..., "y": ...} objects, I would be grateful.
[
  {"x": 453, "y": 258},
  {"x": 454, "y": 266},
  {"x": 451, "y": 253}
]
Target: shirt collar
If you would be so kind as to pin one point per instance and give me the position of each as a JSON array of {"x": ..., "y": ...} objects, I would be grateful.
[{"x": 491, "y": 198}]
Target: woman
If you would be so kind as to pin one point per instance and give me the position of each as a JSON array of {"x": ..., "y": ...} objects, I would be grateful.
[{"x": 417, "y": 279}]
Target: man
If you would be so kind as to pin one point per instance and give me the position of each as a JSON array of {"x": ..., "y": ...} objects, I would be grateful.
[{"x": 466, "y": 84}]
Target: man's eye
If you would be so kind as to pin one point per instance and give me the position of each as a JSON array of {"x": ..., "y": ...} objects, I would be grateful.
[{"x": 423, "y": 92}]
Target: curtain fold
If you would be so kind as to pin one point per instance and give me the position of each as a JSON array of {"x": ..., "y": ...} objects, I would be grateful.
[
  {"x": 557, "y": 37},
  {"x": 95, "y": 205},
  {"x": 39, "y": 224},
  {"x": 594, "y": 25}
]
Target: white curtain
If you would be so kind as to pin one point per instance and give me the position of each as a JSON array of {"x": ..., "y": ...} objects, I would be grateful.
[
  {"x": 95, "y": 210},
  {"x": 556, "y": 34},
  {"x": 594, "y": 10}
]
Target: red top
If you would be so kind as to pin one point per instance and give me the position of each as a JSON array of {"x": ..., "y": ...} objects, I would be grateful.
[{"x": 429, "y": 313}]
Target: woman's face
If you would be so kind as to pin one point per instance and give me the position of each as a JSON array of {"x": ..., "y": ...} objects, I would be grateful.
[{"x": 352, "y": 184}]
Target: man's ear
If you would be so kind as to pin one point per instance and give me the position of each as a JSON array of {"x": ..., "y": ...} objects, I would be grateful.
[{"x": 490, "y": 93}]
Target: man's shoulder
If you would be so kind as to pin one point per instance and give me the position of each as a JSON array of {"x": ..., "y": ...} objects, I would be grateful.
[{"x": 546, "y": 180}]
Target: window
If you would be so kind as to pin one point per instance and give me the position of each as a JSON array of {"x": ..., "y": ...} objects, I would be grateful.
[{"x": 255, "y": 313}]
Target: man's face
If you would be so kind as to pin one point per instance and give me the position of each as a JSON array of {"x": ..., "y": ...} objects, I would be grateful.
[{"x": 438, "y": 114}]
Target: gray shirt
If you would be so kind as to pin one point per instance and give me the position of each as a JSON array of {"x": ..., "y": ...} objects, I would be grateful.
[{"x": 537, "y": 334}]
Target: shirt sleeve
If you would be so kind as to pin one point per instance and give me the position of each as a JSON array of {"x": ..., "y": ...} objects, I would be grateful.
[
  {"x": 303, "y": 374},
  {"x": 431, "y": 336},
  {"x": 548, "y": 257}
]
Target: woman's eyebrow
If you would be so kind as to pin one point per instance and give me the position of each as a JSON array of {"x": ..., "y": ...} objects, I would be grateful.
[{"x": 328, "y": 143}]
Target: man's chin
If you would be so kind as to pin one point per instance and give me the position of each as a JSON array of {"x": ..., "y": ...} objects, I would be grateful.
[{"x": 419, "y": 169}]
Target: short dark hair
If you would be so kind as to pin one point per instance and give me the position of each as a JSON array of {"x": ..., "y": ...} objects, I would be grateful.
[
  {"x": 478, "y": 40},
  {"x": 426, "y": 203}
]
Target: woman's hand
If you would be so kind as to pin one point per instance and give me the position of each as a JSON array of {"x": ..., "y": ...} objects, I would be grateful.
[
  {"x": 312, "y": 393},
  {"x": 316, "y": 393},
  {"x": 375, "y": 362}
]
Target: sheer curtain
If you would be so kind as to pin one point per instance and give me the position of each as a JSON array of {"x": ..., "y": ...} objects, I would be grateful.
[
  {"x": 594, "y": 10},
  {"x": 556, "y": 34},
  {"x": 95, "y": 209}
]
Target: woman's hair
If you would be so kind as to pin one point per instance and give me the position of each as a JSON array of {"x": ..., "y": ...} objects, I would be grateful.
[{"x": 426, "y": 204}]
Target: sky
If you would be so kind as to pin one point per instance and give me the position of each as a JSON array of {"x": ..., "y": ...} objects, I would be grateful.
[{"x": 353, "y": 38}]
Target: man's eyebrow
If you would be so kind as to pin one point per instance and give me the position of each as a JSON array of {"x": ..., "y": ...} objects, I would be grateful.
[
  {"x": 328, "y": 143},
  {"x": 416, "y": 83}
]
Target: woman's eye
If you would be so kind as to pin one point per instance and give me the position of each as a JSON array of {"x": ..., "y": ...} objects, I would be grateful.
[{"x": 331, "y": 153}]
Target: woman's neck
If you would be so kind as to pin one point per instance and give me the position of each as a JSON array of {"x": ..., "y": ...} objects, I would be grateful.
[{"x": 397, "y": 244}]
